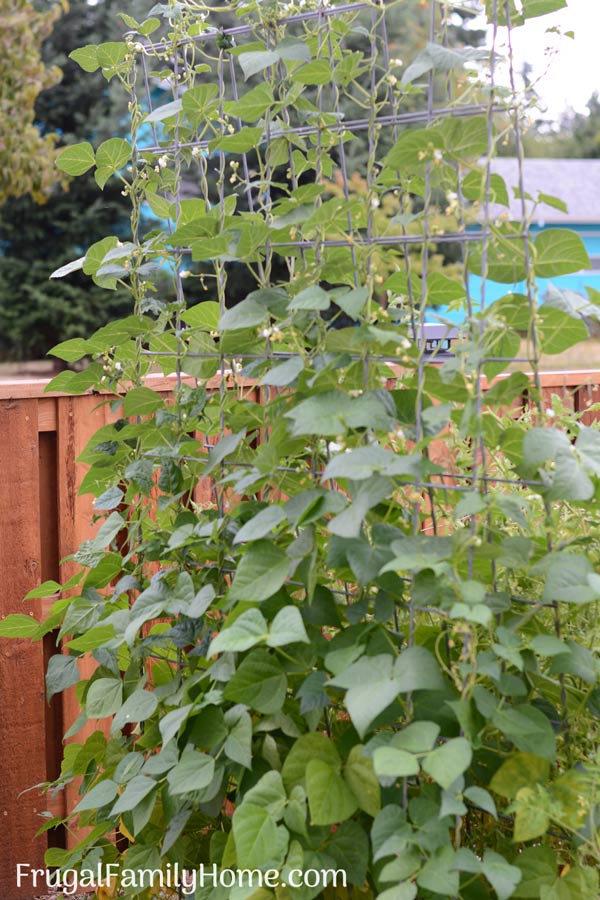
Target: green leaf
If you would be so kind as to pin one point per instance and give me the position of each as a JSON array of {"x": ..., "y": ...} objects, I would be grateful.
[
  {"x": 86, "y": 57},
  {"x": 442, "y": 290},
  {"x": 111, "y": 53},
  {"x": 238, "y": 743},
  {"x": 533, "y": 8},
  {"x": 110, "y": 499},
  {"x": 138, "y": 707},
  {"x": 482, "y": 799},
  {"x": 94, "y": 259},
  {"x": 75, "y": 266},
  {"x": 374, "y": 682},
  {"x": 18, "y": 625},
  {"x": 111, "y": 157},
  {"x": 104, "y": 697},
  {"x": 240, "y": 142},
  {"x": 316, "y": 72},
  {"x": 287, "y": 628},
  {"x": 363, "y": 462},
  {"x": 350, "y": 849},
  {"x": 559, "y": 252},
  {"x": 501, "y": 875},
  {"x": 269, "y": 793},
  {"x": 307, "y": 747},
  {"x": 47, "y": 588},
  {"x": 580, "y": 883},
  {"x": 559, "y": 330},
  {"x": 333, "y": 412},
  {"x": 439, "y": 874},
  {"x": 245, "y": 631},
  {"x": 313, "y": 297},
  {"x": 259, "y": 682},
  {"x": 63, "y": 672},
  {"x": 167, "y": 111},
  {"x": 465, "y": 137},
  {"x": 76, "y": 159},
  {"x": 246, "y": 314},
  {"x": 135, "y": 791},
  {"x": 198, "y": 102},
  {"x": 389, "y": 832},
  {"x": 193, "y": 772},
  {"x": 253, "y": 104},
  {"x": 528, "y": 729},
  {"x": 538, "y": 870},
  {"x": 141, "y": 401},
  {"x": 259, "y": 841},
  {"x": 413, "y": 147},
  {"x": 101, "y": 794},
  {"x": 449, "y": 761},
  {"x": 418, "y": 737},
  {"x": 256, "y": 61},
  {"x": 395, "y": 763},
  {"x": 353, "y": 302},
  {"x": 330, "y": 800},
  {"x": 570, "y": 578},
  {"x": 171, "y": 723},
  {"x": 260, "y": 525},
  {"x": 284, "y": 373},
  {"x": 474, "y": 187},
  {"x": 532, "y": 815},
  {"x": 360, "y": 777},
  {"x": 261, "y": 571},
  {"x": 405, "y": 891},
  {"x": 441, "y": 59},
  {"x": 225, "y": 447}
]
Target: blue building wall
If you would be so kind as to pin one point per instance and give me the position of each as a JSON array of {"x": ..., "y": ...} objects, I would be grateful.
[{"x": 590, "y": 234}]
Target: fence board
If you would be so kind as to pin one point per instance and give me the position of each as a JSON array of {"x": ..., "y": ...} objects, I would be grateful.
[{"x": 23, "y": 717}]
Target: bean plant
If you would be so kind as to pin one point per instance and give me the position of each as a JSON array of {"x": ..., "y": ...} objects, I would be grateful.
[{"x": 342, "y": 597}]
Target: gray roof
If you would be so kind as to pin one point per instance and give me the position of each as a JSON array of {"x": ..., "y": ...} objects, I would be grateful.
[{"x": 575, "y": 181}]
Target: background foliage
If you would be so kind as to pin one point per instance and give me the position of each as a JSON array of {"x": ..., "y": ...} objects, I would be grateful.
[{"x": 26, "y": 157}]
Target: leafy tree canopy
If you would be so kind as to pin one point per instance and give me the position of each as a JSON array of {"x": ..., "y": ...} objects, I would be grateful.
[{"x": 26, "y": 155}]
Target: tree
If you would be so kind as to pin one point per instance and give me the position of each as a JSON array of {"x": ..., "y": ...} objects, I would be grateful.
[
  {"x": 26, "y": 155},
  {"x": 36, "y": 313}
]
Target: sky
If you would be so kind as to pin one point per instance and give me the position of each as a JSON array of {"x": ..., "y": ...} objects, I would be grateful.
[{"x": 571, "y": 70}]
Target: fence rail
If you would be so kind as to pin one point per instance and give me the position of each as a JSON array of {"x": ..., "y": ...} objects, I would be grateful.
[{"x": 43, "y": 520}]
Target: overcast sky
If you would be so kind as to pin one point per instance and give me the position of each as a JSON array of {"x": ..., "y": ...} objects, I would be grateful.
[{"x": 573, "y": 70}]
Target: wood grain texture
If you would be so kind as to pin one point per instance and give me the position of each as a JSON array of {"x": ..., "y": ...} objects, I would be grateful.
[
  {"x": 79, "y": 418},
  {"x": 23, "y": 718}
]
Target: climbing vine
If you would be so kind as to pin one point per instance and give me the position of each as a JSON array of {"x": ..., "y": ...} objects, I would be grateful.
[{"x": 342, "y": 597}]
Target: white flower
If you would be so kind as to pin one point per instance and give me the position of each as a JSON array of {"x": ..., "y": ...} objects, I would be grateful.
[
  {"x": 185, "y": 273},
  {"x": 550, "y": 413},
  {"x": 163, "y": 162}
]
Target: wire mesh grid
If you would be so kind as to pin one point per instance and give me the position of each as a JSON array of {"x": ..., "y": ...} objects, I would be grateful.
[{"x": 314, "y": 160}]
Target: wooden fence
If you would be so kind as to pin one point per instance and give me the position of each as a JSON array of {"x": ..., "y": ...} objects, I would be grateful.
[{"x": 42, "y": 520}]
